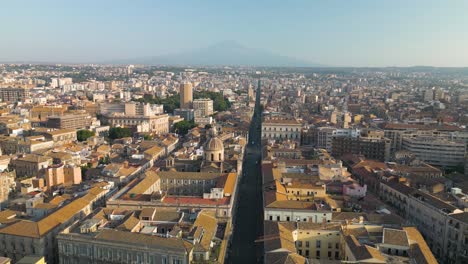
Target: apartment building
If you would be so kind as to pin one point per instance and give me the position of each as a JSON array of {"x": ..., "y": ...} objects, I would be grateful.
[
  {"x": 281, "y": 129},
  {"x": 203, "y": 107},
  {"x": 69, "y": 121},
  {"x": 7, "y": 183},
  {"x": 12, "y": 94},
  {"x": 442, "y": 224},
  {"x": 42, "y": 112},
  {"x": 456, "y": 246},
  {"x": 61, "y": 136},
  {"x": 148, "y": 235},
  {"x": 24, "y": 237},
  {"x": 396, "y": 131},
  {"x": 157, "y": 123},
  {"x": 371, "y": 148},
  {"x": 318, "y": 241},
  {"x": 8, "y": 145},
  {"x": 30, "y": 146},
  {"x": 436, "y": 151},
  {"x": 114, "y": 246},
  {"x": 354, "y": 241},
  {"x": 325, "y": 138},
  {"x": 30, "y": 165}
]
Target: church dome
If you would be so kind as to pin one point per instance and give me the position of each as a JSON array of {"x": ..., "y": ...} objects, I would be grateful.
[{"x": 214, "y": 144}]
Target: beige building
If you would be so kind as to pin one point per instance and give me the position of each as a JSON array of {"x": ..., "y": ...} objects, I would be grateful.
[
  {"x": 140, "y": 236},
  {"x": 113, "y": 246},
  {"x": 42, "y": 112},
  {"x": 66, "y": 175},
  {"x": 30, "y": 146},
  {"x": 186, "y": 95},
  {"x": 70, "y": 121},
  {"x": 158, "y": 124},
  {"x": 61, "y": 136},
  {"x": 142, "y": 109},
  {"x": 318, "y": 241},
  {"x": 8, "y": 145},
  {"x": 7, "y": 183},
  {"x": 31, "y": 165},
  {"x": 24, "y": 237},
  {"x": 203, "y": 107}
]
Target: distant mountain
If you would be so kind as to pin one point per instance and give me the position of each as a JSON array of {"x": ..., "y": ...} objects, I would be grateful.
[{"x": 223, "y": 53}]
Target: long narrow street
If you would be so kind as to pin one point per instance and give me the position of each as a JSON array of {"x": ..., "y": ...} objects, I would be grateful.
[{"x": 248, "y": 225}]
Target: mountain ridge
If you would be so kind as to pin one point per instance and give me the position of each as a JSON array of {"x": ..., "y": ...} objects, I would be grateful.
[{"x": 221, "y": 54}]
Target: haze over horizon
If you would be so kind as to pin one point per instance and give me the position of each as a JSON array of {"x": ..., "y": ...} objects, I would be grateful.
[{"x": 361, "y": 33}]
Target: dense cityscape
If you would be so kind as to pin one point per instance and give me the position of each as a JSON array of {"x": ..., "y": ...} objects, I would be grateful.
[{"x": 179, "y": 165}]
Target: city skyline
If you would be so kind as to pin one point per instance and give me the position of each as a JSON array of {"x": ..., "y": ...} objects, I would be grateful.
[{"x": 332, "y": 33}]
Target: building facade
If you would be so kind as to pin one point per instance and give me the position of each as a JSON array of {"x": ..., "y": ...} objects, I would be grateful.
[
  {"x": 203, "y": 107},
  {"x": 11, "y": 94},
  {"x": 435, "y": 151},
  {"x": 282, "y": 129},
  {"x": 186, "y": 95},
  {"x": 70, "y": 121}
]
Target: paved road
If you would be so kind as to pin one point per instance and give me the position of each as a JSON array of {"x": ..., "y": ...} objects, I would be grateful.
[{"x": 248, "y": 224}]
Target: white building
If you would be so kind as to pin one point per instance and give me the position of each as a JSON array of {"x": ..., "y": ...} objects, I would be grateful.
[
  {"x": 436, "y": 151},
  {"x": 203, "y": 107},
  {"x": 281, "y": 129}
]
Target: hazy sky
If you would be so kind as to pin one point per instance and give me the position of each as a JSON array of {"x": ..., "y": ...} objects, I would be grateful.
[{"x": 330, "y": 32}]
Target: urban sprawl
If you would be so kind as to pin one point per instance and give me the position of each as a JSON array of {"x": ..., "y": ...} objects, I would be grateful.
[{"x": 174, "y": 165}]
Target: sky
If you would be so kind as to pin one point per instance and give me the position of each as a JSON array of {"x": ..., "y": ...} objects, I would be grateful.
[{"x": 358, "y": 33}]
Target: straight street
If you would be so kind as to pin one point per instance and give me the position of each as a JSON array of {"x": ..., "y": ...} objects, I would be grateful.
[{"x": 248, "y": 225}]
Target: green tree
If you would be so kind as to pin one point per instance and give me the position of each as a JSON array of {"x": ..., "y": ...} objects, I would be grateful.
[
  {"x": 183, "y": 127},
  {"x": 147, "y": 137},
  {"x": 119, "y": 132},
  {"x": 84, "y": 134},
  {"x": 219, "y": 102},
  {"x": 170, "y": 103}
]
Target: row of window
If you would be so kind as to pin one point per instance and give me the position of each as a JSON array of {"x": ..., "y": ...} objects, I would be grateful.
[
  {"x": 189, "y": 181},
  {"x": 280, "y": 129},
  {"x": 318, "y": 244},
  {"x": 293, "y": 136},
  {"x": 317, "y": 254}
]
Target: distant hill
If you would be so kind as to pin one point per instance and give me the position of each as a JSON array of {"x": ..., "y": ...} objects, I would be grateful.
[{"x": 223, "y": 53}]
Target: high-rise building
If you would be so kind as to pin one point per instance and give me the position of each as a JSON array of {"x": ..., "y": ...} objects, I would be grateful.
[
  {"x": 12, "y": 94},
  {"x": 186, "y": 95},
  {"x": 251, "y": 93},
  {"x": 203, "y": 107}
]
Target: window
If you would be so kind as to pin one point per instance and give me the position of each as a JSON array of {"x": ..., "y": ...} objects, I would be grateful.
[
  {"x": 337, "y": 245},
  {"x": 299, "y": 243},
  {"x": 318, "y": 254},
  {"x": 307, "y": 253},
  {"x": 271, "y": 218},
  {"x": 277, "y": 218},
  {"x": 307, "y": 244},
  {"x": 287, "y": 218},
  {"x": 318, "y": 244},
  {"x": 337, "y": 255},
  {"x": 329, "y": 254},
  {"x": 329, "y": 245}
]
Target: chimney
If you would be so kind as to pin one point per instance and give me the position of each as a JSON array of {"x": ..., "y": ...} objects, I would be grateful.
[{"x": 125, "y": 164}]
